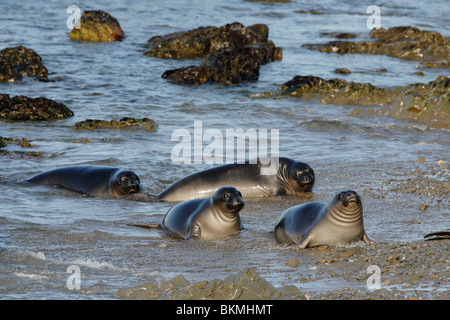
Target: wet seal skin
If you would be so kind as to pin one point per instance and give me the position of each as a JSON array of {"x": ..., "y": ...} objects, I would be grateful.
[
  {"x": 92, "y": 180},
  {"x": 210, "y": 218},
  {"x": 291, "y": 177},
  {"x": 319, "y": 223},
  {"x": 439, "y": 235}
]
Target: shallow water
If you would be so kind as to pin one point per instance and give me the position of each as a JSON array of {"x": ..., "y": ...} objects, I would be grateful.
[{"x": 45, "y": 230}]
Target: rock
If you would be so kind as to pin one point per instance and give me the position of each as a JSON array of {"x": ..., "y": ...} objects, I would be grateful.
[
  {"x": 25, "y": 108},
  {"x": 429, "y": 47},
  {"x": 176, "y": 283},
  {"x": 292, "y": 263},
  {"x": 3, "y": 142},
  {"x": 224, "y": 66},
  {"x": 336, "y": 91},
  {"x": 253, "y": 286},
  {"x": 429, "y": 103},
  {"x": 145, "y": 291},
  {"x": 232, "y": 53},
  {"x": 19, "y": 62},
  {"x": 393, "y": 258},
  {"x": 197, "y": 291},
  {"x": 244, "y": 285},
  {"x": 97, "y": 26},
  {"x": 204, "y": 40},
  {"x": 188, "y": 75},
  {"x": 342, "y": 71},
  {"x": 126, "y": 122}
]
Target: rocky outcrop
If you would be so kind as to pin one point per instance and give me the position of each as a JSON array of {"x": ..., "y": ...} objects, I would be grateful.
[
  {"x": 199, "y": 42},
  {"x": 429, "y": 47},
  {"x": 244, "y": 285},
  {"x": 336, "y": 91},
  {"x": 126, "y": 122},
  {"x": 19, "y": 62},
  {"x": 232, "y": 53},
  {"x": 225, "y": 66},
  {"x": 97, "y": 26},
  {"x": 429, "y": 103},
  {"x": 25, "y": 108}
]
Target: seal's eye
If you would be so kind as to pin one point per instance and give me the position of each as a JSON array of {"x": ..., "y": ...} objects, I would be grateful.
[
  {"x": 123, "y": 179},
  {"x": 226, "y": 196},
  {"x": 340, "y": 196}
]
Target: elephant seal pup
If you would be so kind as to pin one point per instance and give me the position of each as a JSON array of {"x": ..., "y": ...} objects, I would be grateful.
[
  {"x": 319, "y": 223},
  {"x": 288, "y": 177},
  {"x": 92, "y": 180},
  {"x": 210, "y": 218},
  {"x": 439, "y": 235}
]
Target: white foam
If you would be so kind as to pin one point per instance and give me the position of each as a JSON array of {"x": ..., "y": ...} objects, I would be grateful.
[
  {"x": 94, "y": 264},
  {"x": 30, "y": 276}
]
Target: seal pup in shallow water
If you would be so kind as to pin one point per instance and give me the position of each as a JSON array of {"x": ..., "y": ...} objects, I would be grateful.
[
  {"x": 210, "y": 218},
  {"x": 319, "y": 223},
  {"x": 439, "y": 235},
  {"x": 288, "y": 178},
  {"x": 91, "y": 180}
]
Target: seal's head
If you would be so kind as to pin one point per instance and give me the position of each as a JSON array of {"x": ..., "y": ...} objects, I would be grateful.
[
  {"x": 229, "y": 199},
  {"x": 348, "y": 202},
  {"x": 301, "y": 176},
  {"x": 126, "y": 182}
]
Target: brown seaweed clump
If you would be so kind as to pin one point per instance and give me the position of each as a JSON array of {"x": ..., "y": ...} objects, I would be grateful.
[
  {"x": 97, "y": 26},
  {"x": 19, "y": 62},
  {"x": 25, "y": 108},
  {"x": 126, "y": 122},
  {"x": 429, "y": 47}
]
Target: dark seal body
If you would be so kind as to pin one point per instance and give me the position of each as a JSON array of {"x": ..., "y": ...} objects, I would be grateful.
[
  {"x": 288, "y": 178},
  {"x": 319, "y": 223},
  {"x": 91, "y": 180},
  {"x": 209, "y": 218}
]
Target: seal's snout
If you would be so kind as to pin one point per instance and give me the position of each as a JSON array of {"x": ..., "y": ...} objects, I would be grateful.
[
  {"x": 306, "y": 181},
  {"x": 235, "y": 203},
  {"x": 350, "y": 196},
  {"x": 131, "y": 185}
]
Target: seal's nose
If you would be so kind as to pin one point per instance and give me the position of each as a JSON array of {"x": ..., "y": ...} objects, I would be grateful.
[
  {"x": 306, "y": 181},
  {"x": 235, "y": 203},
  {"x": 132, "y": 185},
  {"x": 351, "y": 196}
]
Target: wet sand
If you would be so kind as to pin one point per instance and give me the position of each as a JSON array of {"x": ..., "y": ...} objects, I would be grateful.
[{"x": 399, "y": 203}]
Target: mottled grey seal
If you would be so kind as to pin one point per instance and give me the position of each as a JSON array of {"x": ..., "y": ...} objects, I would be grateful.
[
  {"x": 209, "y": 218},
  {"x": 91, "y": 180},
  {"x": 319, "y": 223},
  {"x": 290, "y": 177}
]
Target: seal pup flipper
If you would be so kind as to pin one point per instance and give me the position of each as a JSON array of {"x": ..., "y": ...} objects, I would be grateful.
[
  {"x": 366, "y": 239},
  {"x": 306, "y": 240},
  {"x": 439, "y": 235},
  {"x": 195, "y": 232}
]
